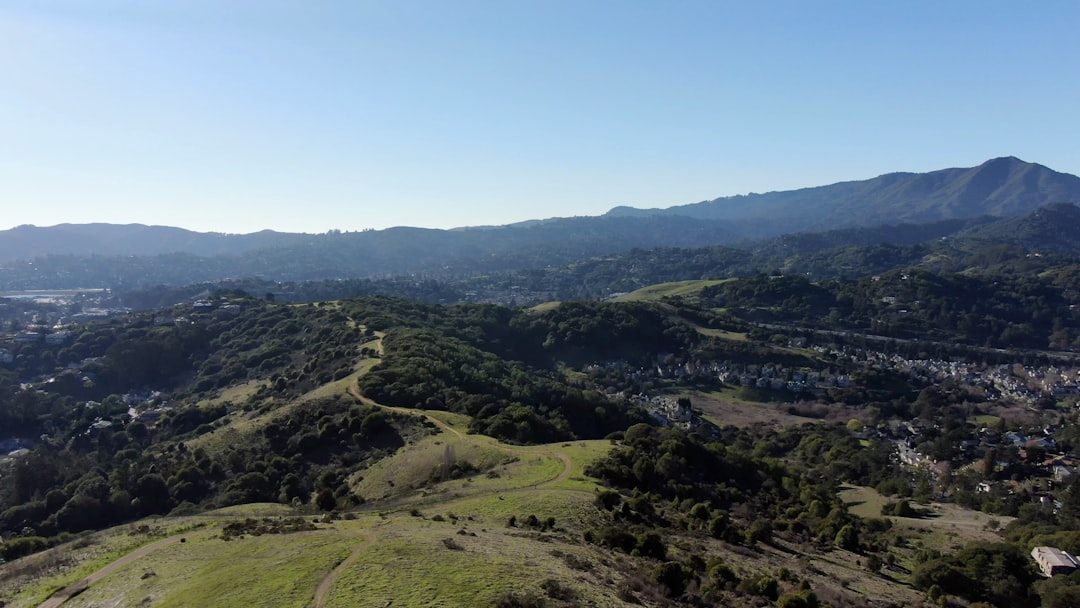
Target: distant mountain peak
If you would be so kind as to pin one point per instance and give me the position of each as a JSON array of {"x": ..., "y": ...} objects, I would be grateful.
[
  {"x": 1007, "y": 163},
  {"x": 1004, "y": 187}
]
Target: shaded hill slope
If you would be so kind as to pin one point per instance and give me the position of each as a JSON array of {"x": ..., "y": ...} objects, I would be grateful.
[
  {"x": 290, "y": 257},
  {"x": 1050, "y": 228},
  {"x": 1001, "y": 187}
]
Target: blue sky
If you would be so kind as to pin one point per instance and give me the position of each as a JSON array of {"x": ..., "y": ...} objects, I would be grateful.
[{"x": 307, "y": 116}]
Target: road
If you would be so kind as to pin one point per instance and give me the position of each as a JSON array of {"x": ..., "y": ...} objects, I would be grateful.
[{"x": 852, "y": 334}]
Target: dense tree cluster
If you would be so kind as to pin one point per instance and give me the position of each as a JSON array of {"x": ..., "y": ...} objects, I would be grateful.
[
  {"x": 743, "y": 487},
  {"x": 995, "y": 310},
  {"x": 737, "y": 488},
  {"x": 999, "y": 573},
  {"x": 506, "y": 399},
  {"x": 105, "y": 476}
]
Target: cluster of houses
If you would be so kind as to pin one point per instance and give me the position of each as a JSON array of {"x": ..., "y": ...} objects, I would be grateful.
[
  {"x": 780, "y": 378},
  {"x": 198, "y": 307},
  {"x": 145, "y": 406},
  {"x": 53, "y": 327},
  {"x": 1035, "y": 448},
  {"x": 666, "y": 411},
  {"x": 908, "y": 436},
  {"x": 1017, "y": 383},
  {"x": 773, "y": 376},
  {"x": 38, "y": 330},
  {"x": 45, "y": 320}
]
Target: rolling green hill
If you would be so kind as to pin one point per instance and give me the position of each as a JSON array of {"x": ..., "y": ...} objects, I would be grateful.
[
  {"x": 528, "y": 526},
  {"x": 660, "y": 291},
  {"x": 377, "y": 451}
]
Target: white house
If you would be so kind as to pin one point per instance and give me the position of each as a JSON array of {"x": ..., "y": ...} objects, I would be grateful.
[{"x": 1052, "y": 560}]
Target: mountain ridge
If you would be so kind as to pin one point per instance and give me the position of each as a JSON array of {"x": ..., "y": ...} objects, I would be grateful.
[
  {"x": 1005, "y": 186},
  {"x": 916, "y": 206}
]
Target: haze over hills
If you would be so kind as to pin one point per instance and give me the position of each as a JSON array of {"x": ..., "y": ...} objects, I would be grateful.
[
  {"x": 1000, "y": 187},
  {"x": 24, "y": 242},
  {"x": 959, "y": 203},
  {"x": 579, "y": 236}
]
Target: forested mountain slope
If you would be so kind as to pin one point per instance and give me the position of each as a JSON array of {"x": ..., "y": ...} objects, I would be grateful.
[{"x": 1002, "y": 187}]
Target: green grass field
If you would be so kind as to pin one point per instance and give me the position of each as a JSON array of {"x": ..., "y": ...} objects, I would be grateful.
[
  {"x": 653, "y": 293},
  {"x": 30, "y": 580},
  {"x": 277, "y": 570},
  {"x": 546, "y": 306},
  {"x": 419, "y": 562},
  {"x": 400, "y": 556},
  {"x": 985, "y": 420},
  {"x": 723, "y": 334}
]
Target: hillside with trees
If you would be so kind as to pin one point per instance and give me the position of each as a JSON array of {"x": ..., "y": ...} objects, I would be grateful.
[
  {"x": 836, "y": 230},
  {"x": 1000, "y": 187},
  {"x": 724, "y": 424}
]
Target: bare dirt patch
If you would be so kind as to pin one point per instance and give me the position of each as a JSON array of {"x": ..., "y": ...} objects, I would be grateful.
[{"x": 743, "y": 413}]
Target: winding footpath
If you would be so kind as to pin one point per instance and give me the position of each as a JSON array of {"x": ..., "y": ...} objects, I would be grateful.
[
  {"x": 57, "y": 599},
  {"x": 322, "y": 593},
  {"x": 326, "y": 586},
  {"x": 354, "y": 391}
]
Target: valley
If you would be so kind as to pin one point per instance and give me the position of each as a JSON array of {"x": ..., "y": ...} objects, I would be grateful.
[
  {"x": 875, "y": 415},
  {"x": 425, "y": 542},
  {"x": 539, "y": 305}
]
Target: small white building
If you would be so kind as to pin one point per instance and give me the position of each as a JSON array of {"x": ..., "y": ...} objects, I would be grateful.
[{"x": 1052, "y": 560}]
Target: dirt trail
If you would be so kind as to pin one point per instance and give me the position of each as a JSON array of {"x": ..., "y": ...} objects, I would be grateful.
[
  {"x": 562, "y": 476},
  {"x": 354, "y": 390},
  {"x": 322, "y": 593},
  {"x": 57, "y": 599}
]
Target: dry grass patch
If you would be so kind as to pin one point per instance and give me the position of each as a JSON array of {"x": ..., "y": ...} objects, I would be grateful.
[
  {"x": 723, "y": 408},
  {"x": 30, "y": 580},
  {"x": 659, "y": 291},
  {"x": 943, "y": 526},
  {"x": 278, "y": 570},
  {"x": 420, "y": 465},
  {"x": 546, "y": 306},
  {"x": 410, "y": 563}
]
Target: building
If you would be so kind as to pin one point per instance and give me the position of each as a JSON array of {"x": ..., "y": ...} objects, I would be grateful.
[
  {"x": 1054, "y": 561},
  {"x": 57, "y": 338}
]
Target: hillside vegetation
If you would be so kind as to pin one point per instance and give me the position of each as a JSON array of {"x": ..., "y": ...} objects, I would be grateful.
[{"x": 383, "y": 450}]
